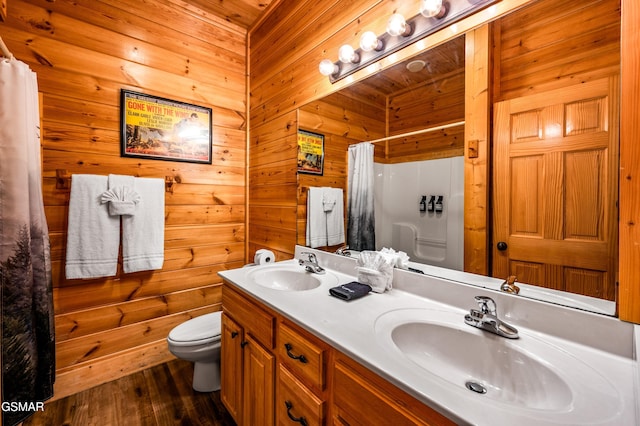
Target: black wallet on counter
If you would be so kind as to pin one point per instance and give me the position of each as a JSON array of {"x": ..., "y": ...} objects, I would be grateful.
[{"x": 350, "y": 291}]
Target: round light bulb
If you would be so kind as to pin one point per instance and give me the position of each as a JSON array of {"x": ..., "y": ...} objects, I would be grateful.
[
  {"x": 327, "y": 67},
  {"x": 432, "y": 9},
  {"x": 347, "y": 54},
  {"x": 369, "y": 41},
  {"x": 397, "y": 26}
]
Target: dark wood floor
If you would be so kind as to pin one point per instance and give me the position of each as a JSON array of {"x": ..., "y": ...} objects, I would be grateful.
[{"x": 161, "y": 395}]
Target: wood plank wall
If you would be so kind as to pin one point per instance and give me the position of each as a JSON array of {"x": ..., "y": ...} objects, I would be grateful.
[
  {"x": 282, "y": 46},
  {"x": 433, "y": 103},
  {"x": 629, "y": 307},
  {"x": 555, "y": 43},
  {"x": 84, "y": 52},
  {"x": 273, "y": 186}
]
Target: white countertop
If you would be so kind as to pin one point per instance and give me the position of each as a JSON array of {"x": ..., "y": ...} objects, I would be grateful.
[{"x": 601, "y": 344}]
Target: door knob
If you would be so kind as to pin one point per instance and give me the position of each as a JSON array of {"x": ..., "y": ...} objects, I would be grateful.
[{"x": 502, "y": 246}]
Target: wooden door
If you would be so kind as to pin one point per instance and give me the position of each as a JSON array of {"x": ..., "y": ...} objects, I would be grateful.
[
  {"x": 231, "y": 367},
  {"x": 259, "y": 384},
  {"x": 555, "y": 188}
]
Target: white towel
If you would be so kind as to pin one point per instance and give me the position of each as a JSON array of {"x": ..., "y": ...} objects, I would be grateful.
[
  {"x": 334, "y": 216},
  {"x": 329, "y": 199},
  {"x": 121, "y": 197},
  {"x": 316, "y": 221},
  {"x": 143, "y": 232},
  {"x": 376, "y": 270},
  {"x": 399, "y": 259},
  {"x": 93, "y": 237}
]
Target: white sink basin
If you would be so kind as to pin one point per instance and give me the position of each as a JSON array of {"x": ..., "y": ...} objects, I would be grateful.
[
  {"x": 525, "y": 374},
  {"x": 290, "y": 277}
]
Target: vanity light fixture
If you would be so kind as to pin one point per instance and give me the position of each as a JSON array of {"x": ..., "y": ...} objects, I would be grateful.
[
  {"x": 433, "y": 9},
  {"x": 369, "y": 41},
  {"x": 433, "y": 15},
  {"x": 397, "y": 26},
  {"x": 327, "y": 67},
  {"x": 348, "y": 55}
]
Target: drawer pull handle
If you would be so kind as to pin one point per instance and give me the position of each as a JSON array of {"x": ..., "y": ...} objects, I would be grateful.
[
  {"x": 243, "y": 344},
  {"x": 234, "y": 334},
  {"x": 300, "y": 358},
  {"x": 300, "y": 420}
]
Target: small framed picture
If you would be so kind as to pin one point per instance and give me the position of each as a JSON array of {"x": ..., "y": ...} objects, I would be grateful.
[
  {"x": 310, "y": 152},
  {"x": 161, "y": 129}
]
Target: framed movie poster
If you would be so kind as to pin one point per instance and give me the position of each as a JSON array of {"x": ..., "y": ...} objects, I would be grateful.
[
  {"x": 310, "y": 152},
  {"x": 161, "y": 129}
]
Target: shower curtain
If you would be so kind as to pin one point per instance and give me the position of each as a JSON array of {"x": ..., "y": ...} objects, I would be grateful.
[
  {"x": 360, "y": 215},
  {"x": 28, "y": 357}
]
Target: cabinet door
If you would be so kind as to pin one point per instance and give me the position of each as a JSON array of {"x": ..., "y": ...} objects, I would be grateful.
[
  {"x": 231, "y": 367},
  {"x": 259, "y": 379}
]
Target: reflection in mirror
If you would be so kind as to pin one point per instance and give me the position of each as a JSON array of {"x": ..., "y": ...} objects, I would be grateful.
[{"x": 536, "y": 51}]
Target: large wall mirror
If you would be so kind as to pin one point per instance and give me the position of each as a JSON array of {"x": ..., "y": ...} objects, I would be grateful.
[{"x": 554, "y": 150}]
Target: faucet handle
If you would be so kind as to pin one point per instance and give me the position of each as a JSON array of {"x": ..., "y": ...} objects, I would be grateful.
[
  {"x": 487, "y": 305},
  {"x": 343, "y": 251},
  {"x": 310, "y": 256},
  {"x": 509, "y": 285}
]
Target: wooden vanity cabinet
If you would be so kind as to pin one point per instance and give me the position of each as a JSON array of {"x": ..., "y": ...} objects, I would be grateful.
[
  {"x": 274, "y": 371},
  {"x": 247, "y": 361}
]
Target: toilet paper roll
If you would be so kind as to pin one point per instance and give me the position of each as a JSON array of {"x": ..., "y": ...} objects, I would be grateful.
[{"x": 264, "y": 256}]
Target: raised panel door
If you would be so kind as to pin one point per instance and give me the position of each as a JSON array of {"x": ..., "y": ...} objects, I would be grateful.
[
  {"x": 259, "y": 384},
  {"x": 231, "y": 367},
  {"x": 556, "y": 180}
]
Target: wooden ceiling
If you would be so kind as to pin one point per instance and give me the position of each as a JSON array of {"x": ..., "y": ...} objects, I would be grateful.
[
  {"x": 240, "y": 12},
  {"x": 440, "y": 62}
]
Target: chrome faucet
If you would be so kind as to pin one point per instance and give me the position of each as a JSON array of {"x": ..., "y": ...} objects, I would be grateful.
[
  {"x": 311, "y": 264},
  {"x": 344, "y": 251},
  {"x": 509, "y": 285},
  {"x": 487, "y": 319}
]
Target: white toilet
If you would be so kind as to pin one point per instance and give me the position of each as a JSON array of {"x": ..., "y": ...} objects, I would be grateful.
[{"x": 198, "y": 340}]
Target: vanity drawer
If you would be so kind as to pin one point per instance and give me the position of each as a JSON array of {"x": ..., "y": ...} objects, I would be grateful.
[
  {"x": 360, "y": 397},
  {"x": 303, "y": 355},
  {"x": 295, "y": 402},
  {"x": 257, "y": 322}
]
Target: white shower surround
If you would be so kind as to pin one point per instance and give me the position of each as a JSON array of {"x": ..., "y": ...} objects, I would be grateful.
[{"x": 427, "y": 237}]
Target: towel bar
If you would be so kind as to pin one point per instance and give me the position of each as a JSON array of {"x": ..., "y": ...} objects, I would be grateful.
[{"x": 63, "y": 181}]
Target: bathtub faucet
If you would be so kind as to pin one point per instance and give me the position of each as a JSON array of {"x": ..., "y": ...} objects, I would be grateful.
[
  {"x": 487, "y": 319},
  {"x": 311, "y": 264}
]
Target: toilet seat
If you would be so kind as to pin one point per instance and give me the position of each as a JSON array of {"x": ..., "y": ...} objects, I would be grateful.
[{"x": 201, "y": 330}]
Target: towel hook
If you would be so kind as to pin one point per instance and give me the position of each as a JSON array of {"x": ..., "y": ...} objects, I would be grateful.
[
  {"x": 168, "y": 184},
  {"x": 63, "y": 179}
]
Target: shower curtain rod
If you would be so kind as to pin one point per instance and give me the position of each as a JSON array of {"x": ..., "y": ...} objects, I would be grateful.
[
  {"x": 418, "y": 132},
  {"x": 5, "y": 50}
]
